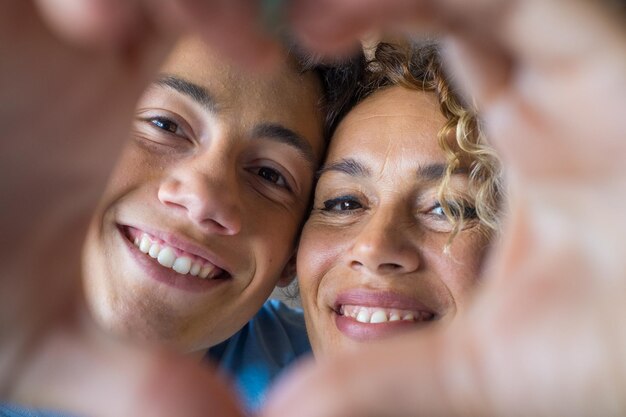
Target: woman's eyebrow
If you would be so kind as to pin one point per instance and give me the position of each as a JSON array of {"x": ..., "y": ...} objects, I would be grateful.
[
  {"x": 281, "y": 134},
  {"x": 346, "y": 166},
  {"x": 197, "y": 93},
  {"x": 436, "y": 171}
]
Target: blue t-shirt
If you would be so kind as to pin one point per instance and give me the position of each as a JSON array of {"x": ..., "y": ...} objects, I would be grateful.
[
  {"x": 252, "y": 357},
  {"x": 11, "y": 410},
  {"x": 255, "y": 355}
]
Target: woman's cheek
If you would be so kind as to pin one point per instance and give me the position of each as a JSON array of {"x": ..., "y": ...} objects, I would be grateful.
[{"x": 319, "y": 250}]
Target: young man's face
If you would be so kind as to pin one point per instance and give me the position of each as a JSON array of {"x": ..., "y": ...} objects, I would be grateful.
[{"x": 213, "y": 185}]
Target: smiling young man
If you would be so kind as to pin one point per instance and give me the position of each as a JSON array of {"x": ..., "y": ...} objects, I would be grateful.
[{"x": 201, "y": 215}]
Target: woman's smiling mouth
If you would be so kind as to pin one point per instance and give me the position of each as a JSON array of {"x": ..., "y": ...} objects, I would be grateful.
[
  {"x": 365, "y": 315},
  {"x": 375, "y": 315}
]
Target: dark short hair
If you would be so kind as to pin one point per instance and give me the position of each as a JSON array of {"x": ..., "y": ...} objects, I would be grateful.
[{"x": 339, "y": 81}]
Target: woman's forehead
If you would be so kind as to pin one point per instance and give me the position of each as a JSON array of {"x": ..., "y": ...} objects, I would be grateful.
[
  {"x": 396, "y": 123},
  {"x": 399, "y": 101}
]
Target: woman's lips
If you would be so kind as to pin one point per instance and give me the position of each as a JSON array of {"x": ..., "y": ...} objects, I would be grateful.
[
  {"x": 171, "y": 265},
  {"x": 376, "y": 315},
  {"x": 365, "y": 315}
]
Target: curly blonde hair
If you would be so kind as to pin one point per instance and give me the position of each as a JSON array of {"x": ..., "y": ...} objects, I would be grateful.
[{"x": 419, "y": 67}]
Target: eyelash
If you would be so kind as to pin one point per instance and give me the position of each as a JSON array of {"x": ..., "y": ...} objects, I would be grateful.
[
  {"x": 469, "y": 211},
  {"x": 281, "y": 181},
  {"x": 329, "y": 205},
  {"x": 161, "y": 123},
  {"x": 275, "y": 177},
  {"x": 340, "y": 205}
]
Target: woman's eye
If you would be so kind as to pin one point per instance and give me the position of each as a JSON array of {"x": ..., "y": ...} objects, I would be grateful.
[
  {"x": 469, "y": 212},
  {"x": 272, "y": 176},
  {"x": 437, "y": 210},
  {"x": 342, "y": 204},
  {"x": 164, "y": 124}
]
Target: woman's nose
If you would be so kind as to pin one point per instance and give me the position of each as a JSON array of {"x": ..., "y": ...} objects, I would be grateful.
[
  {"x": 385, "y": 245},
  {"x": 208, "y": 197}
]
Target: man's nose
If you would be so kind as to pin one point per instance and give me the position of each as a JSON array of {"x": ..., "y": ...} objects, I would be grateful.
[{"x": 209, "y": 197}]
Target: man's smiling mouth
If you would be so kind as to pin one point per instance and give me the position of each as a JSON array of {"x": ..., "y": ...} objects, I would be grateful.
[{"x": 174, "y": 258}]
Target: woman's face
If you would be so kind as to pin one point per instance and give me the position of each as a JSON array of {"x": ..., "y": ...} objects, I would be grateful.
[
  {"x": 202, "y": 212},
  {"x": 371, "y": 259}
]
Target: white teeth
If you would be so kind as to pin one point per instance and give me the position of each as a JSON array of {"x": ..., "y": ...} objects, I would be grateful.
[
  {"x": 154, "y": 250},
  {"x": 363, "y": 316},
  {"x": 182, "y": 265},
  {"x": 205, "y": 271},
  {"x": 374, "y": 315},
  {"x": 378, "y": 316},
  {"x": 166, "y": 256},
  {"x": 144, "y": 244},
  {"x": 195, "y": 269}
]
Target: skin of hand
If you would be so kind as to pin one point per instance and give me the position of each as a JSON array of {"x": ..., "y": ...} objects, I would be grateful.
[
  {"x": 112, "y": 23},
  {"x": 499, "y": 61},
  {"x": 66, "y": 110},
  {"x": 544, "y": 336}
]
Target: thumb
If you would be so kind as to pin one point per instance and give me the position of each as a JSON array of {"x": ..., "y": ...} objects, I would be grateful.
[
  {"x": 417, "y": 374},
  {"x": 92, "y": 23},
  {"x": 95, "y": 376}
]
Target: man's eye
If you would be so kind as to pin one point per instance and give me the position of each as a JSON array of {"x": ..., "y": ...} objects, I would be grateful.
[
  {"x": 342, "y": 204},
  {"x": 164, "y": 124},
  {"x": 272, "y": 176}
]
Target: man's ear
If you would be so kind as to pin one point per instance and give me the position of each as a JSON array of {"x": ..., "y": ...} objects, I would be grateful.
[{"x": 289, "y": 273}]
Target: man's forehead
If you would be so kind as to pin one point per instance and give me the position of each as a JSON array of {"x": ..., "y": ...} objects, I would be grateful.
[{"x": 192, "y": 56}]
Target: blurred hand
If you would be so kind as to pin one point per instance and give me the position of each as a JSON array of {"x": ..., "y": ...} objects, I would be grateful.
[
  {"x": 512, "y": 57},
  {"x": 546, "y": 334},
  {"x": 66, "y": 110},
  {"x": 233, "y": 27}
]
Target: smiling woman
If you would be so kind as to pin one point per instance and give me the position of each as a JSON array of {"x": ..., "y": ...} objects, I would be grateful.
[{"x": 405, "y": 207}]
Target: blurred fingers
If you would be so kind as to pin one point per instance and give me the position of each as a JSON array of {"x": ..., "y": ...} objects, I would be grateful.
[
  {"x": 234, "y": 28},
  {"x": 100, "y": 378},
  {"x": 93, "y": 23},
  {"x": 333, "y": 27},
  {"x": 419, "y": 374}
]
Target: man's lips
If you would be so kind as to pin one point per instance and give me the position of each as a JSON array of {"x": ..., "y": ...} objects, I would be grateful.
[{"x": 174, "y": 253}]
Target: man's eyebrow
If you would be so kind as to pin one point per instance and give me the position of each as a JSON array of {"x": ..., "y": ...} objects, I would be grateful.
[
  {"x": 347, "y": 166},
  {"x": 433, "y": 172},
  {"x": 197, "y": 93},
  {"x": 281, "y": 134}
]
